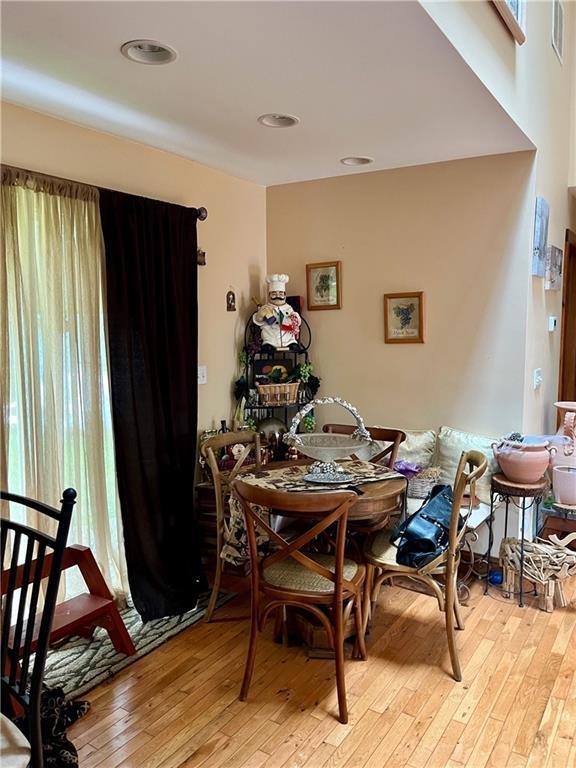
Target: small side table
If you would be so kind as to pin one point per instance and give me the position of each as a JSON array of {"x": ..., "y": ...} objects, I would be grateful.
[{"x": 529, "y": 496}]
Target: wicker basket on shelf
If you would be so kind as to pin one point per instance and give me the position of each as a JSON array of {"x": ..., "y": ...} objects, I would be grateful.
[
  {"x": 421, "y": 484},
  {"x": 278, "y": 394}
]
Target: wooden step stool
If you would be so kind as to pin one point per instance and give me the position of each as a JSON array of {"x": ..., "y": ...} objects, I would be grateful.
[{"x": 82, "y": 614}]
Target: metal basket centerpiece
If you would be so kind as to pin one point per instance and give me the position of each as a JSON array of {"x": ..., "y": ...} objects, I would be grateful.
[{"x": 326, "y": 447}]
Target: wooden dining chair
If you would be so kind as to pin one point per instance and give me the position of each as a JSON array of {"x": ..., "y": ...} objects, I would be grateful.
[
  {"x": 211, "y": 451},
  {"x": 392, "y": 437},
  {"x": 440, "y": 574},
  {"x": 28, "y": 555},
  {"x": 292, "y": 575}
]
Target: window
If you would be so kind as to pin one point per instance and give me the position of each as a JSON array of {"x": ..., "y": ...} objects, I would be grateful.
[{"x": 53, "y": 366}]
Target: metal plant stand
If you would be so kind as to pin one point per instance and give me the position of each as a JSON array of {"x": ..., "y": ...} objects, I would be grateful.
[{"x": 524, "y": 497}]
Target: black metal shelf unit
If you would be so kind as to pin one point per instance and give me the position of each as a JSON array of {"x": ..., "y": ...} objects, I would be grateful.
[{"x": 258, "y": 364}]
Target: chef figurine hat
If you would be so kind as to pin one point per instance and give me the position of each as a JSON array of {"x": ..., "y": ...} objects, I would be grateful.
[{"x": 277, "y": 282}]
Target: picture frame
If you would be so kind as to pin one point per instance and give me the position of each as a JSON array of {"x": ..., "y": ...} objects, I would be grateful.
[
  {"x": 540, "y": 239},
  {"x": 280, "y": 368},
  {"x": 404, "y": 318},
  {"x": 558, "y": 29},
  {"x": 513, "y": 14},
  {"x": 553, "y": 275},
  {"x": 324, "y": 285}
]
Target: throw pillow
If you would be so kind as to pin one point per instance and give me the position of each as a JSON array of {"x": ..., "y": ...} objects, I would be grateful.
[
  {"x": 418, "y": 448},
  {"x": 449, "y": 447}
]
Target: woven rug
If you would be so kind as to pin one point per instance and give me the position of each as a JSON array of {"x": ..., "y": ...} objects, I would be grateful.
[{"x": 80, "y": 664}]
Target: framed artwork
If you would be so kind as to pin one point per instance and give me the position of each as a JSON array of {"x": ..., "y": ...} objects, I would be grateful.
[
  {"x": 404, "y": 318},
  {"x": 540, "y": 237},
  {"x": 324, "y": 285},
  {"x": 558, "y": 28},
  {"x": 275, "y": 370},
  {"x": 513, "y": 14},
  {"x": 553, "y": 277}
]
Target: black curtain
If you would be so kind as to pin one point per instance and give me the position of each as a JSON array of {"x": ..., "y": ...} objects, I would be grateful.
[{"x": 152, "y": 330}]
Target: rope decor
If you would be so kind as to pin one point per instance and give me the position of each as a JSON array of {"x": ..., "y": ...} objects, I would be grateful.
[{"x": 545, "y": 562}]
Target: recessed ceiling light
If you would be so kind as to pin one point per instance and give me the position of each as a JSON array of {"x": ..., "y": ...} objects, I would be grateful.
[
  {"x": 148, "y": 52},
  {"x": 357, "y": 160},
  {"x": 274, "y": 120}
]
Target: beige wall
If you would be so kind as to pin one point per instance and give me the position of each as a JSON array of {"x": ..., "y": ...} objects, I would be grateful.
[
  {"x": 536, "y": 90},
  {"x": 572, "y": 174},
  {"x": 233, "y": 235},
  {"x": 460, "y": 232}
]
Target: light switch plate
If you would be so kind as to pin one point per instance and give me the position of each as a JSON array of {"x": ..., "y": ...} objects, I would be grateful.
[
  {"x": 552, "y": 322},
  {"x": 537, "y": 378},
  {"x": 202, "y": 374}
]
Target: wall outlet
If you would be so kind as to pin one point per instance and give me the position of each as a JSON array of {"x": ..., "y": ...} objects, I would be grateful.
[
  {"x": 202, "y": 374},
  {"x": 537, "y": 378}
]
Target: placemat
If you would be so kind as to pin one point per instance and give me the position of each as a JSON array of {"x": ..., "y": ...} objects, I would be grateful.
[{"x": 292, "y": 478}]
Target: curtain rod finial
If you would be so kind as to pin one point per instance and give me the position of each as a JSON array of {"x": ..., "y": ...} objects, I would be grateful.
[{"x": 202, "y": 214}]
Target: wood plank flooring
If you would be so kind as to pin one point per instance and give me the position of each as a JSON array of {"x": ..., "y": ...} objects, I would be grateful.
[{"x": 516, "y": 707}]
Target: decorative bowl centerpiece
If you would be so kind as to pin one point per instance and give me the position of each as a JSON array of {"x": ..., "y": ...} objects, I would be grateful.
[{"x": 326, "y": 447}]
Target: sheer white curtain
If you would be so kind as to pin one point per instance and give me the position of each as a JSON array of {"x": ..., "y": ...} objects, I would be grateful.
[{"x": 57, "y": 425}]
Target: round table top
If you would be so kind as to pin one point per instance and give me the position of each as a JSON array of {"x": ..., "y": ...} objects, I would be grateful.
[
  {"x": 501, "y": 484},
  {"x": 375, "y": 499}
]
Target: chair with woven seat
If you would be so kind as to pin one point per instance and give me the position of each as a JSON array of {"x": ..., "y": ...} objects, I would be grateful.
[
  {"x": 221, "y": 478},
  {"x": 393, "y": 438},
  {"x": 293, "y": 576},
  {"x": 440, "y": 574},
  {"x": 28, "y": 556}
]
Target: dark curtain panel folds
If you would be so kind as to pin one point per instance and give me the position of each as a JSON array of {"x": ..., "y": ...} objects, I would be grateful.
[{"x": 152, "y": 331}]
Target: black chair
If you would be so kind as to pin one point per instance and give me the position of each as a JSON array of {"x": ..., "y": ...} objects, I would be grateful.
[{"x": 28, "y": 558}]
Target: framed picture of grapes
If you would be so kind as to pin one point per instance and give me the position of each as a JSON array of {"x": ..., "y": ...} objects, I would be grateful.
[
  {"x": 324, "y": 285},
  {"x": 404, "y": 318}
]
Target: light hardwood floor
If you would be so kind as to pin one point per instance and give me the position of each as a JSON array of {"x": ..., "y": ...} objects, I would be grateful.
[{"x": 516, "y": 707}]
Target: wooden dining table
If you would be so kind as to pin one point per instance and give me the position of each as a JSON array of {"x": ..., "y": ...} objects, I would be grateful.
[{"x": 381, "y": 492}]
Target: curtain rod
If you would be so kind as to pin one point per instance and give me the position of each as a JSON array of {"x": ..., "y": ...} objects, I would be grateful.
[{"x": 202, "y": 211}]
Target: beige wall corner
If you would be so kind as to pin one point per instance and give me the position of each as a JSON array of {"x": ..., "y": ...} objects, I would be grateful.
[
  {"x": 458, "y": 231},
  {"x": 233, "y": 236}
]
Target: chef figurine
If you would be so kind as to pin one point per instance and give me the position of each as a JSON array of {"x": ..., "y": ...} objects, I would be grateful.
[{"x": 279, "y": 323}]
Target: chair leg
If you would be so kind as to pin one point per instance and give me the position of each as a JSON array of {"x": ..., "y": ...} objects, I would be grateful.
[
  {"x": 457, "y": 606},
  {"x": 251, "y": 655},
  {"x": 339, "y": 658},
  {"x": 360, "y": 644},
  {"x": 215, "y": 589},
  {"x": 367, "y": 607},
  {"x": 449, "y": 615}
]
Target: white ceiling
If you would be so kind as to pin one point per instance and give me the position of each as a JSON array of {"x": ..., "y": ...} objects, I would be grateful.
[{"x": 365, "y": 78}]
